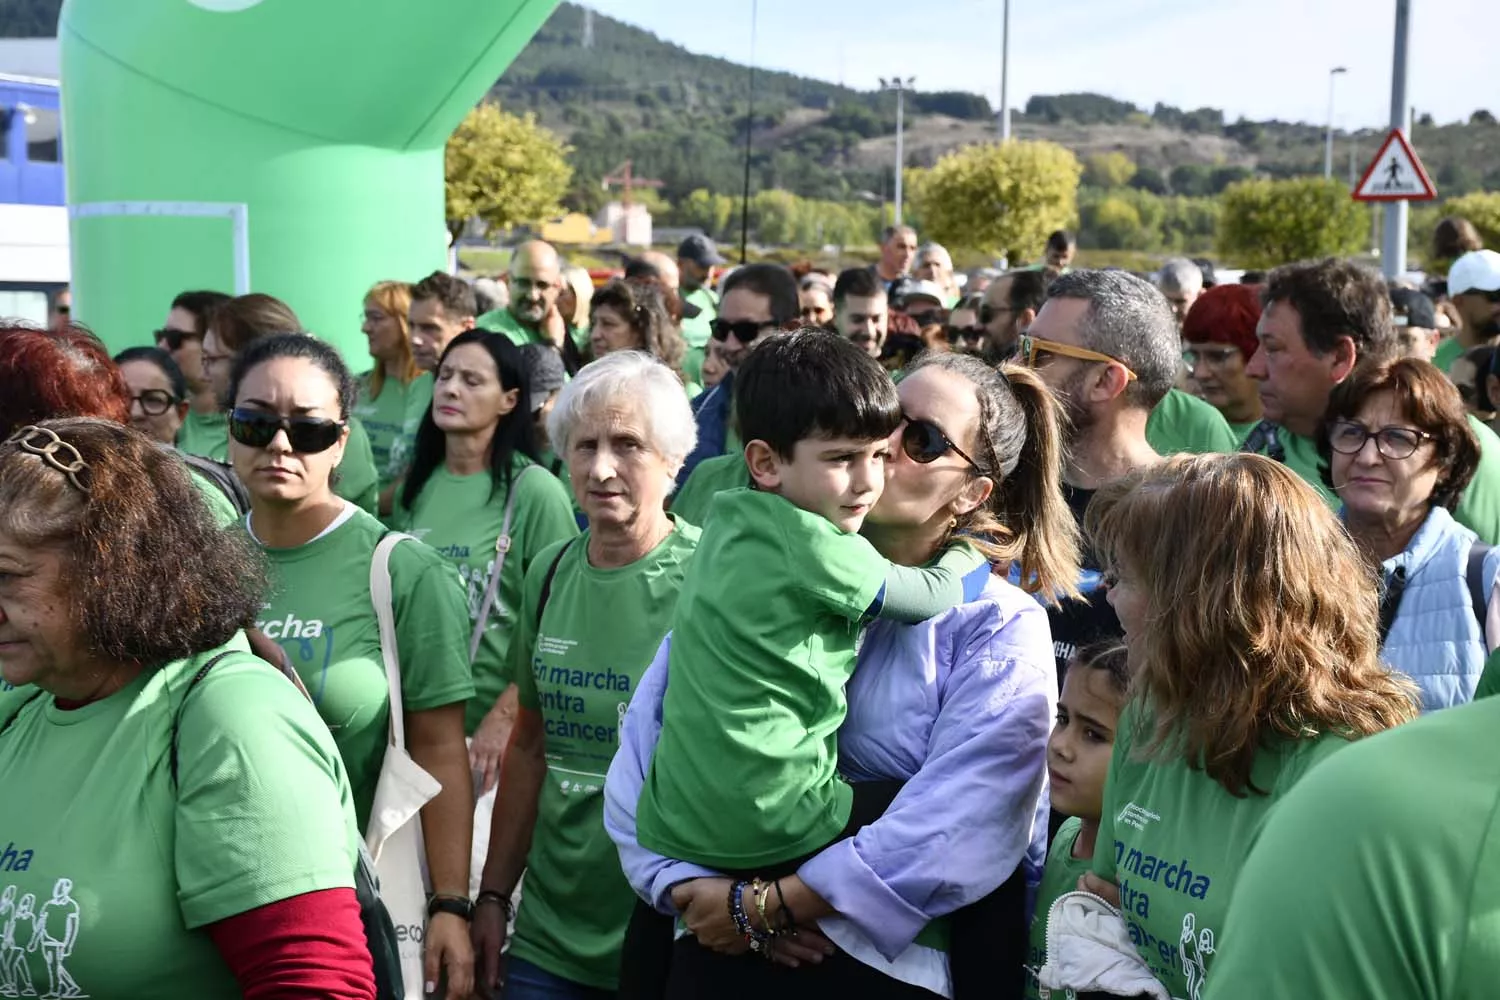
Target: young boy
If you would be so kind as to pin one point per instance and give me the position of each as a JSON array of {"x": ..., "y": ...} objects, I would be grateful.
[
  {"x": 1078, "y": 753},
  {"x": 766, "y": 626}
]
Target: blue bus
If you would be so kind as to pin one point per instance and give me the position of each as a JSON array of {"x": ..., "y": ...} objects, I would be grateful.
[{"x": 34, "y": 264}]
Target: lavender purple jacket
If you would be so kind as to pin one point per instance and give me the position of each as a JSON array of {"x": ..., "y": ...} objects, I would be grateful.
[{"x": 959, "y": 707}]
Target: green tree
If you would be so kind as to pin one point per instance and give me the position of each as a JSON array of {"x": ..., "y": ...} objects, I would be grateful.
[
  {"x": 998, "y": 199},
  {"x": 1481, "y": 208},
  {"x": 1264, "y": 223},
  {"x": 1108, "y": 170},
  {"x": 1117, "y": 225},
  {"x": 503, "y": 169},
  {"x": 706, "y": 210}
]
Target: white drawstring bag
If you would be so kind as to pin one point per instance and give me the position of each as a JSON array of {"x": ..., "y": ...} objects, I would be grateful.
[{"x": 394, "y": 836}]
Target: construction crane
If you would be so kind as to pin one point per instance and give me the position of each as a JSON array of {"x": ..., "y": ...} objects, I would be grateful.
[{"x": 626, "y": 181}]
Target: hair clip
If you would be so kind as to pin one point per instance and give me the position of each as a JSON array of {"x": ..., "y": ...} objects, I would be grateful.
[{"x": 46, "y": 445}]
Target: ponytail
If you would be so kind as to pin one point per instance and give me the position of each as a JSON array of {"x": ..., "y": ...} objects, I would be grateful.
[{"x": 1025, "y": 522}]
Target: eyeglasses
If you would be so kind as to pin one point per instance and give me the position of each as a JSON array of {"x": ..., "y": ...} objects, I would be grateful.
[
  {"x": 924, "y": 443},
  {"x": 930, "y": 317},
  {"x": 744, "y": 330},
  {"x": 987, "y": 312},
  {"x": 1348, "y": 438},
  {"x": 175, "y": 338},
  {"x": 1215, "y": 357},
  {"x": 1031, "y": 346},
  {"x": 966, "y": 333},
  {"x": 154, "y": 402},
  {"x": 306, "y": 435}
]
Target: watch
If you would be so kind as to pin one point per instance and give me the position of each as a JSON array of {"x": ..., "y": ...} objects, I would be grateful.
[{"x": 456, "y": 905}]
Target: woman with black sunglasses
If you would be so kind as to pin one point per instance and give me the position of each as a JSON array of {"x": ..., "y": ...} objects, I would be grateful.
[
  {"x": 289, "y": 427},
  {"x": 930, "y": 899}
]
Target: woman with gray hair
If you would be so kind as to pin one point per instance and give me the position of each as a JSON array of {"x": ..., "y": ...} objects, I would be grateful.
[{"x": 593, "y": 612}]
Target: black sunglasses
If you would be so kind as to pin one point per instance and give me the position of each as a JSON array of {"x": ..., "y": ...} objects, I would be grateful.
[
  {"x": 987, "y": 312},
  {"x": 924, "y": 443},
  {"x": 174, "y": 338},
  {"x": 154, "y": 402},
  {"x": 970, "y": 333},
  {"x": 306, "y": 435},
  {"x": 744, "y": 330}
]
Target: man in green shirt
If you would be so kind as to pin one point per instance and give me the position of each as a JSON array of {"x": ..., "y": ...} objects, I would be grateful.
[
  {"x": 1378, "y": 875},
  {"x": 1474, "y": 289},
  {"x": 535, "y": 282},
  {"x": 182, "y": 337},
  {"x": 697, "y": 256},
  {"x": 1321, "y": 318}
]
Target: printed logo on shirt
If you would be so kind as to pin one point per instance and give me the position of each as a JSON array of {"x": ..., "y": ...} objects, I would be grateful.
[
  {"x": 1195, "y": 947},
  {"x": 291, "y": 627},
  {"x": 36, "y": 941},
  {"x": 1136, "y": 816}
]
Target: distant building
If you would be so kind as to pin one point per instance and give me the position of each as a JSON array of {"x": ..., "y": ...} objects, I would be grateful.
[
  {"x": 627, "y": 224},
  {"x": 573, "y": 229}
]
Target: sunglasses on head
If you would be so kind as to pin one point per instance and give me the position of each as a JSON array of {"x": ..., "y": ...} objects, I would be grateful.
[
  {"x": 744, "y": 330},
  {"x": 924, "y": 443},
  {"x": 1030, "y": 347},
  {"x": 306, "y": 435},
  {"x": 174, "y": 338}
]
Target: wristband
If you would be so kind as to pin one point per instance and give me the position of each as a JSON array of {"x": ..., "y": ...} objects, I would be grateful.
[
  {"x": 459, "y": 906},
  {"x": 500, "y": 899}
]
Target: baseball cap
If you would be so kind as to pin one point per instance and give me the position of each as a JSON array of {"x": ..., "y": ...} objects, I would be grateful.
[
  {"x": 1475, "y": 271},
  {"x": 542, "y": 367},
  {"x": 1410, "y": 307},
  {"x": 701, "y": 251},
  {"x": 918, "y": 289}
]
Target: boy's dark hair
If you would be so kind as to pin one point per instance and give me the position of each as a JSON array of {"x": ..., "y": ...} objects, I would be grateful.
[
  {"x": 857, "y": 282},
  {"x": 1110, "y": 656},
  {"x": 773, "y": 281},
  {"x": 1061, "y": 240},
  {"x": 455, "y": 294},
  {"x": 813, "y": 383}
]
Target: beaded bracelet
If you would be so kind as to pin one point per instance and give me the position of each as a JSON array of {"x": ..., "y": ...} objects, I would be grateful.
[
  {"x": 737, "y": 909},
  {"x": 498, "y": 898}
]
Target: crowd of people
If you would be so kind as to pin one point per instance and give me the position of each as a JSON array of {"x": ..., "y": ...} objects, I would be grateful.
[{"x": 735, "y": 631}]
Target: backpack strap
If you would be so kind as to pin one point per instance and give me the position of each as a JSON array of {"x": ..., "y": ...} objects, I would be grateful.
[
  {"x": 177, "y": 715},
  {"x": 1479, "y": 596},
  {"x": 541, "y": 601},
  {"x": 222, "y": 476},
  {"x": 502, "y": 547}
]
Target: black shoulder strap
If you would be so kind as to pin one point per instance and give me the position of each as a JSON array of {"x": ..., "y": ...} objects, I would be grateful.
[
  {"x": 222, "y": 476},
  {"x": 1390, "y": 601},
  {"x": 1479, "y": 595},
  {"x": 541, "y": 601},
  {"x": 177, "y": 716}
]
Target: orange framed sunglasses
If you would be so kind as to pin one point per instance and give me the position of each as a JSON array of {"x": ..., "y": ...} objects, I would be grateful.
[{"x": 1030, "y": 347}]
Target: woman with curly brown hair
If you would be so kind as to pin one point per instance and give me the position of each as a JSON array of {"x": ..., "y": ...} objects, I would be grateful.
[
  {"x": 633, "y": 316},
  {"x": 1250, "y": 618},
  {"x": 174, "y": 809}
]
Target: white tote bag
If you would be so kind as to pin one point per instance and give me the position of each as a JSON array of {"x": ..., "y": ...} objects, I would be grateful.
[{"x": 394, "y": 836}]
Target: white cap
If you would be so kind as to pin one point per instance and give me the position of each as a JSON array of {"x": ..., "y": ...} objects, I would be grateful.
[
  {"x": 924, "y": 290},
  {"x": 1475, "y": 271}
]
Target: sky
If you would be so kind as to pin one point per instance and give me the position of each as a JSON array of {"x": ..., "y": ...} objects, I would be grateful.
[{"x": 1262, "y": 59}]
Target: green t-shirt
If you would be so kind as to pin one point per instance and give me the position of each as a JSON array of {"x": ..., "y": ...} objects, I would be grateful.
[
  {"x": 502, "y": 320},
  {"x": 1378, "y": 876},
  {"x": 1182, "y": 422},
  {"x": 580, "y": 677},
  {"x": 460, "y": 518},
  {"x": 1478, "y": 508},
  {"x": 1449, "y": 351},
  {"x": 322, "y": 614},
  {"x": 223, "y": 512},
  {"x": 696, "y": 332},
  {"x": 1242, "y": 431},
  {"x": 709, "y": 478},
  {"x": 763, "y": 642},
  {"x": 1489, "y": 681},
  {"x": 1175, "y": 841},
  {"x": 109, "y": 874},
  {"x": 384, "y": 417},
  {"x": 1061, "y": 875},
  {"x": 418, "y": 402},
  {"x": 205, "y": 434},
  {"x": 357, "y": 478}
]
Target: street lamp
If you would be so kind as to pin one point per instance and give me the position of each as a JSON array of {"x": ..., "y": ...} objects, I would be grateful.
[
  {"x": 1333, "y": 75},
  {"x": 1005, "y": 73},
  {"x": 900, "y": 86}
]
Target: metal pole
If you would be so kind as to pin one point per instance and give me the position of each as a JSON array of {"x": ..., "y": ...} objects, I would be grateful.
[
  {"x": 900, "y": 151},
  {"x": 749, "y": 131},
  {"x": 1005, "y": 73},
  {"x": 1333, "y": 75},
  {"x": 1393, "y": 250}
]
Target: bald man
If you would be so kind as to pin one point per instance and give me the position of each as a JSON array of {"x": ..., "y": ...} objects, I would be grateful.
[
  {"x": 665, "y": 267},
  {"x": 535, "y": 281}
]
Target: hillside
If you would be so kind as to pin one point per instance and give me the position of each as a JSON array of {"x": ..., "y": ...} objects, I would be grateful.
[{"x": 680, "y": 118}]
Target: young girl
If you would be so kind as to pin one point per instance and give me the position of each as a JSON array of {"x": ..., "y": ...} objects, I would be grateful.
[{"x": 1078, "y": 755}]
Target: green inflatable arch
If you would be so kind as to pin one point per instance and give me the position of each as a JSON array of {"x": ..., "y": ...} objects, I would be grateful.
[{"x": 293, "y": 147}]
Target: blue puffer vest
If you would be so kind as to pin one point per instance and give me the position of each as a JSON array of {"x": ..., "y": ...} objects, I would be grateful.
[{"x": 1435, "y": 639}]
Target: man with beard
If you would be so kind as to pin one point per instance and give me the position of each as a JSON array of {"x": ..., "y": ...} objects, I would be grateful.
[
  {"x": 1105, "y": 342},
  {"x": 535, "y": 282}
]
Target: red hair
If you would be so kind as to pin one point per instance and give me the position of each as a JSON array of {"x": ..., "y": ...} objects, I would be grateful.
[
  {"x": 57, "y": 373},
  {"x": 1225, "y": 314}
]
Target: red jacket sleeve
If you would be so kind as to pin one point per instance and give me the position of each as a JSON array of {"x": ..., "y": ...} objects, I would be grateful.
[{"x": 309, "y": 947}]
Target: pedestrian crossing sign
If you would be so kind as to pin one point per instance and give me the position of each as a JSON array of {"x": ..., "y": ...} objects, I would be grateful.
[{"x": 1395, "y": 174}]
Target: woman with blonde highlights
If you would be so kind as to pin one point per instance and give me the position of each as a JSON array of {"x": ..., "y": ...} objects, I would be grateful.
[
  {"x": 382, "y": 389},
  {"x": 1251, "y": 620}
]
